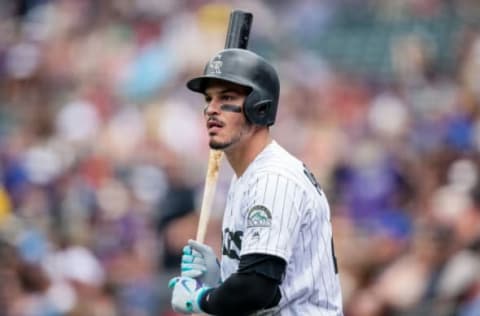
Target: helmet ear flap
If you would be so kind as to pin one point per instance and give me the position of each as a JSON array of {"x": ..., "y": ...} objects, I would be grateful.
[
  {"x": 258, "y": 110},
  {"x": 262, "y": 110}
]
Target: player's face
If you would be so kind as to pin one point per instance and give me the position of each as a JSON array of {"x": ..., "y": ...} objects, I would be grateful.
[{"x": 226, "y": 122}]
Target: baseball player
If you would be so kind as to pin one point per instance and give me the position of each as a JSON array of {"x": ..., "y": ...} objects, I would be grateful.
[{"x": 278, "y": 256}]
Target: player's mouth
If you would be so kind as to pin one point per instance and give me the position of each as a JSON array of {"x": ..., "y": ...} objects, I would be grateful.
[{"x": 214, "y": 126}]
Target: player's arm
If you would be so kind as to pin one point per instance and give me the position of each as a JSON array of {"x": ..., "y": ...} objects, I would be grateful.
[{"x": 255, "y": 286}]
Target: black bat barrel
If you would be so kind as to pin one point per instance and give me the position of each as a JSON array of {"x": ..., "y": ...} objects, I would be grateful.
[{"x": 238, "y": 32}]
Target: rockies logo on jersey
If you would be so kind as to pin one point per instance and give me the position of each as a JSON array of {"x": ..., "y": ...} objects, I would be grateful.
[{"x": 259, "y": 216}]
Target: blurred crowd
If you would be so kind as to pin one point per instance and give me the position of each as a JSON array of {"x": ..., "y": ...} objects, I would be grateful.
[{"x": 103, "y": 150}]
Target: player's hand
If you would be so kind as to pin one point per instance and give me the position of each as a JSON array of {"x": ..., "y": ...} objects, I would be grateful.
[
  {"x": 187, "y": 293},
  {"x": 199, "y": 262}
]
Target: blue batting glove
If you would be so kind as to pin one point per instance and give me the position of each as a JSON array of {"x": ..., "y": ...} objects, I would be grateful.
[
  {"x": 200, "y": 262},
  {"x": 187, "y": 294}
]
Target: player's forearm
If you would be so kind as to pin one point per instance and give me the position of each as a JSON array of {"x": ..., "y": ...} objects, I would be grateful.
[{"x": 241, "y": 294}]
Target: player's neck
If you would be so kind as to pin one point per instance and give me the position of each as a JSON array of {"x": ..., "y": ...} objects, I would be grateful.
[{"x": 245, "y": 152}]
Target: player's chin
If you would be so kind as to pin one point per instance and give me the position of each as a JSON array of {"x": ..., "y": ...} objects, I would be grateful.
[{"x": 218, "y": 145}]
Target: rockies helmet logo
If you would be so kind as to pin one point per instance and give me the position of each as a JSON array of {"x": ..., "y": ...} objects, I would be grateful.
[{"x": 215, "y": 65}]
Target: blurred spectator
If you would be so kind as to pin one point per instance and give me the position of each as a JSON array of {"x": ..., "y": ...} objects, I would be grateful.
[
  {"x": 178, "y": 202},
  {"x": 24, "y": 286}
]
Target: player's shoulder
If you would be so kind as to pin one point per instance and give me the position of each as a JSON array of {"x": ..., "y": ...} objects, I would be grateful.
[
  {"x": 276, "y": 160},
  {"x": 273, "y": 156}
]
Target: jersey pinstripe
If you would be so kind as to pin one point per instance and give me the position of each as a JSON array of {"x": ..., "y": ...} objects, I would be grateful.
[{"x": 276, "y": 207}]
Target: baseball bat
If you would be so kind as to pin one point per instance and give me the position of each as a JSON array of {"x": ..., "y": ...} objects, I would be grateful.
[{"x": 238, "y": 34}]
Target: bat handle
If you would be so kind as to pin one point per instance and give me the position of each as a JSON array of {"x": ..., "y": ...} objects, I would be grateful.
[{"x": 214, "y": 161}]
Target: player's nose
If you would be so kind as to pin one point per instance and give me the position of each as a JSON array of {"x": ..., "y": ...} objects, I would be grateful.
[{"x": 212, "y": 107}]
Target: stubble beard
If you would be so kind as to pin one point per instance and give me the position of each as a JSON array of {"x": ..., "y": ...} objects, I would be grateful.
[
  {"x": 235, "y": 139},
  {"x": 222, "y": 146}
]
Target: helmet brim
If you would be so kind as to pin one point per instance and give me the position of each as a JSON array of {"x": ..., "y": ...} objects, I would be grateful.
[{"x": 200, "y": 84}]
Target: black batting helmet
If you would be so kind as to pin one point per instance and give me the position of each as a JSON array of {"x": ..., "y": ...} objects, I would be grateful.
[{"x": 243, "y": 67}]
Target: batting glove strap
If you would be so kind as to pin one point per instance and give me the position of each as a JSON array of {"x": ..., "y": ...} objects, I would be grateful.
[{"x": 187, "y": 295}]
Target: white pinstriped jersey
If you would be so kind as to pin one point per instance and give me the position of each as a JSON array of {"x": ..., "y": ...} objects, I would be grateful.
[{"x": 276, "y": 207}]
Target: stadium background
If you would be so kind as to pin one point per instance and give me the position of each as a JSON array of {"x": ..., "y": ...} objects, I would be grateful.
[{"x": 103, "y": 150}]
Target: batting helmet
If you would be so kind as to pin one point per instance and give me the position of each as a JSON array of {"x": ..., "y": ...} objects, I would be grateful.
[{"x": 245, "y": 68}]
